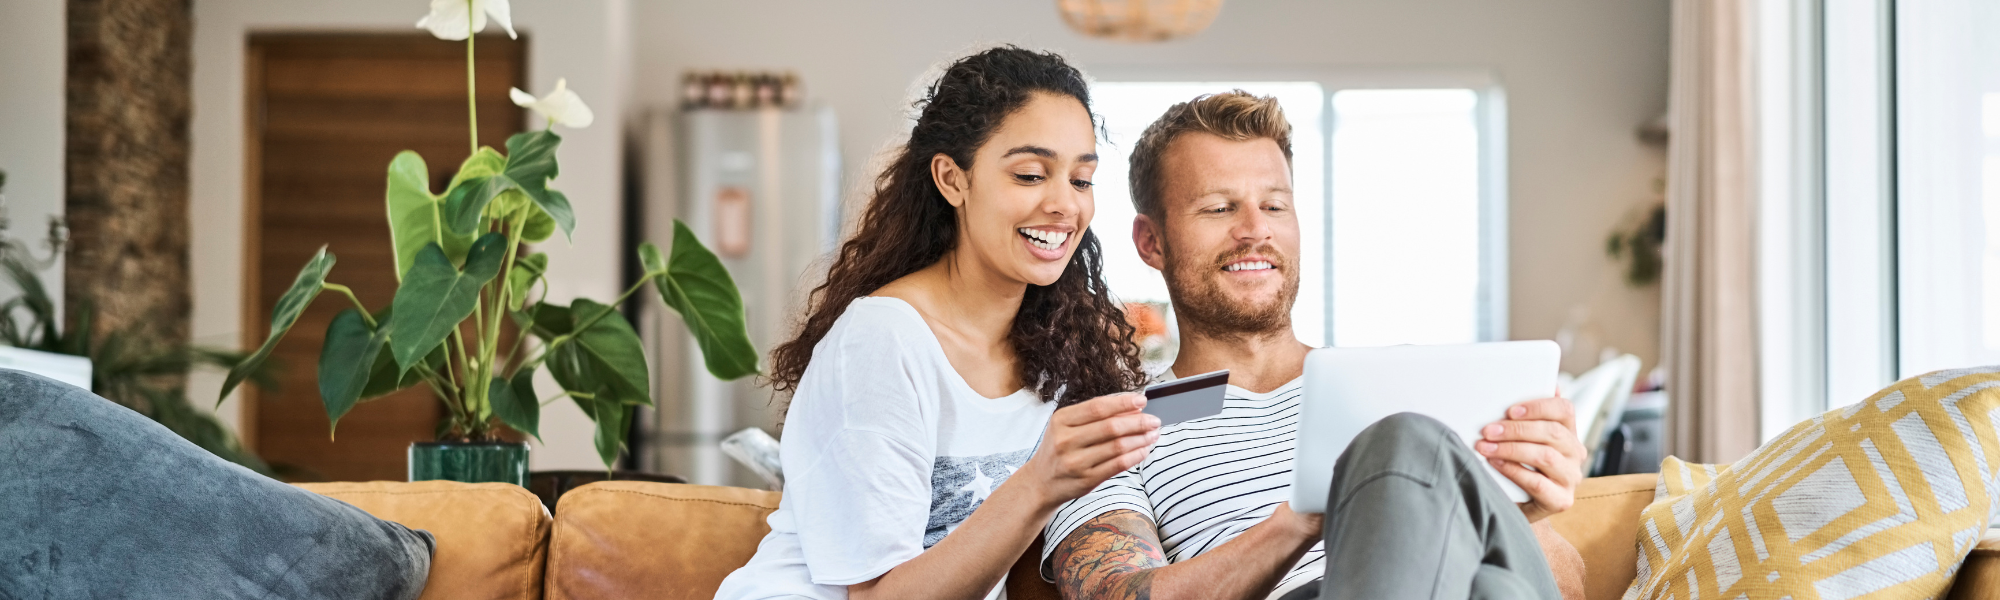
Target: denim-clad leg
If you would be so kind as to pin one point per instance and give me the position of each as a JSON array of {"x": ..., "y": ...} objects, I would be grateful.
[
  {"x": 98, "y": 501},
  {"x": 1413, "y": 514}
]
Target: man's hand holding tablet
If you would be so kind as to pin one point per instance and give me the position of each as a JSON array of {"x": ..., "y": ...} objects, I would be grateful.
[
  {"x": 1537, "y": 448},
  {"x": 1532, "y": 449}
]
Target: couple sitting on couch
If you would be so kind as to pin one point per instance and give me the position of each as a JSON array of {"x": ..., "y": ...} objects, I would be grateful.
[{"x": 924, "y": 449}]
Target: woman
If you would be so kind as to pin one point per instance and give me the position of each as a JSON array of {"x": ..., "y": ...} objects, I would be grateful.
[{"x": 923, "y": 449}]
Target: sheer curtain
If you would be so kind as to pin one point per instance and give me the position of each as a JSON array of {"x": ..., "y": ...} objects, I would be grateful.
[{"x": 1709, "y": 305}]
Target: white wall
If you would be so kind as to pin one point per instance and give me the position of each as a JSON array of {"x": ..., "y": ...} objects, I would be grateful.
[
  {"x": 582, "y": 40},
  {"x": 1580, "y": 76},
  {"x": 32, "y": 55}
]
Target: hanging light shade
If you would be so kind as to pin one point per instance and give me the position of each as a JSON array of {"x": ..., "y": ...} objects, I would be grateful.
[{"x": 1139, "y": 20}]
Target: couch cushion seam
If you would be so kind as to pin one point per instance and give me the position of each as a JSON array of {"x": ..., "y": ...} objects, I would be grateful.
[
  {"x": 534, "y": 522},
  {"x": 549, "y": 571}
]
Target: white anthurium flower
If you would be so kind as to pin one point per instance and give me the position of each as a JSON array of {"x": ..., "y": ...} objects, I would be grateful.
[
  {"x": 560, "y": 105},
  {"x": 456, "y": 19}
]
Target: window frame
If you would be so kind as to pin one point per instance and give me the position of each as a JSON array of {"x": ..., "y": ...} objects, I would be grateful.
[
  {"x": 1857, "y": 66},
  {"x": 1830, "y": 267}
]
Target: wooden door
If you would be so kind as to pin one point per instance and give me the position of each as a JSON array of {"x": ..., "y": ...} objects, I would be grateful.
[{"x": 326, "y": 115}]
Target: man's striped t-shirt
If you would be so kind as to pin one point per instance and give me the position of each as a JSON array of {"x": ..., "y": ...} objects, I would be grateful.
[{"x": 1206, "y": 481}]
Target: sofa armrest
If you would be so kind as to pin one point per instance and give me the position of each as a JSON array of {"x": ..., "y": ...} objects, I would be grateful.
[{"x": 492, "y": 538}]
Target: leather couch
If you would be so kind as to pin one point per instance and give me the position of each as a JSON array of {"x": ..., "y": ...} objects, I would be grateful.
[{"x": 624, "y": 539}]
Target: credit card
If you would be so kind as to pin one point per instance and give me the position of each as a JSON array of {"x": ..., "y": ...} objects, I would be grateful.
[{"x": 1187, "y": 398}]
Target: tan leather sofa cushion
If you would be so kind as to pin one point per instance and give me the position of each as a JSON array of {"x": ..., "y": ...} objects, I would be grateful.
[
  {"x": 635, "y": 539},
  {"x": 492, "y": 538},
  {"x": 1604, "y": 527}
]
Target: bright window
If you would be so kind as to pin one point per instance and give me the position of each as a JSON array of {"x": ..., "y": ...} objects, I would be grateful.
[
  {"x": 1406, "y": 237},
  {"x": 1947, "y": 86}
]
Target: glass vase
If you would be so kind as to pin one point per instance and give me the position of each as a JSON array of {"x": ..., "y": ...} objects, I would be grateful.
[{"x": 470, "y": 462}]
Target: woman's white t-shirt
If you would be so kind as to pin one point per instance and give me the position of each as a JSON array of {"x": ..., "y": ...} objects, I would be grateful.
[{"x": 886, "y": 450}]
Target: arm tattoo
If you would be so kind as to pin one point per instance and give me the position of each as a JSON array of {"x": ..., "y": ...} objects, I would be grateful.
[{"x": 1112, "y": 557}]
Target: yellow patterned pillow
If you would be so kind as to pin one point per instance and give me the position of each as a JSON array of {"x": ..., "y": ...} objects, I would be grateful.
[{"x": 1880, "y": 500}]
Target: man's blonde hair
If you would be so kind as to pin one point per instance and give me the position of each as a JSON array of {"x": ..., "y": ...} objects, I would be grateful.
[{"x": 1235, "y": 115}]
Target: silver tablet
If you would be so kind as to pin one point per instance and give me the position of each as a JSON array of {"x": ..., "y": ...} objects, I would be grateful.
[{"x": 1466, "y": 386}]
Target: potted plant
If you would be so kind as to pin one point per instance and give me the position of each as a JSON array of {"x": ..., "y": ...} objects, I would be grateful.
[{"x": 464, "y": 277}]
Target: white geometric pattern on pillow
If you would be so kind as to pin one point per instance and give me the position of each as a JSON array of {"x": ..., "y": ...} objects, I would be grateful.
[{"x": 1879, "y": 500}]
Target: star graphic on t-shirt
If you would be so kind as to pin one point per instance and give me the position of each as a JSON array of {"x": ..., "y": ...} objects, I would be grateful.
[{"x": 981, "y": 486}]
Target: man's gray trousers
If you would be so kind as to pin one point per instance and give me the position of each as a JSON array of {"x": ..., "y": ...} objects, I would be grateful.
[{"x": 1412, "y": 513}]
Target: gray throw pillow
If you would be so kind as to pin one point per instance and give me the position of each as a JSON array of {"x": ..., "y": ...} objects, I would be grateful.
[{"x": 97, "y": 501}]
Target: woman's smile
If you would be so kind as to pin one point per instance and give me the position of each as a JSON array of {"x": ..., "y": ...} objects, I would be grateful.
[{"x": 1048, "y": 242}]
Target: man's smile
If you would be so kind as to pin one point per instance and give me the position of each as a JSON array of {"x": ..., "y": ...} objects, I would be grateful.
[
  {"x": 1249, "y": 264},
  {"x": 1255, "y": 266}
]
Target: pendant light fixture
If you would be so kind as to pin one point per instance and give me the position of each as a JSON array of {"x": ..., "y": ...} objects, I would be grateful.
[{"x": 1139, "y": 20}]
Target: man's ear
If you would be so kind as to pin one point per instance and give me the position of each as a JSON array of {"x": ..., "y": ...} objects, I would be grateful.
[
  {"x": 1150, "y": 239},
  {"x": 951, "y": 180}
]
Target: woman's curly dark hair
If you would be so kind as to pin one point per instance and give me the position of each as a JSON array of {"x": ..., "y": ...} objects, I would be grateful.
[{"x": 1070, "y": 338}]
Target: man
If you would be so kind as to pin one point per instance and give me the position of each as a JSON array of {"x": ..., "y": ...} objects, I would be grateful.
[{"x": 1412, "y": 514}]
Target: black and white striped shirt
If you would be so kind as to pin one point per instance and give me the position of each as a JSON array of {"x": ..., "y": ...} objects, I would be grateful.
[{"x": 1206, "y": 481}]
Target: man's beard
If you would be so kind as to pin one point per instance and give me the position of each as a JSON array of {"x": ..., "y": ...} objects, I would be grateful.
[{"x": 1197, "y": 293}]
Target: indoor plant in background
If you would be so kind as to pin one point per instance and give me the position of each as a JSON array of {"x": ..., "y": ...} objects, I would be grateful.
[
  {"x": 123, "y": 368},
  {"x": 464, "y": 277}
]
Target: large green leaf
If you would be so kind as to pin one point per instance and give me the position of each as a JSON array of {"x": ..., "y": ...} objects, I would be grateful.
[
  {"x": 574, "y": 372},
  {"x": 416, "y": 216},
  {"x": 487, "y": 162},
  {"x": 546, "y": 321},
  {"x": 531, "y": 159},
  {"x": 611, "y": 420},
  {"x": 693, "y": 282},
  {"x": 509, "y": 202},
  {"x": 465, "y": 205},
  {"x": 516, "y": 404},
  {"x": 478, "y": 180},
  {"x": 539, "y": 226},
  {"x": 435, "y": 297},
  {"x": 531, "y": 163},
  {"x": 526, "y": 270},
  {"x": 304, "y": 288},
  {"x": 611, "y": 351},
  {"x": 346, "y": 361},
  {"x": 413, "y": 216},
  {"x": 385, "y": 378}
]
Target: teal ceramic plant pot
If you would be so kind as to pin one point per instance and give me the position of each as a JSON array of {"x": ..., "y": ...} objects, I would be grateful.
[{"x": 470, "y": 462}]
